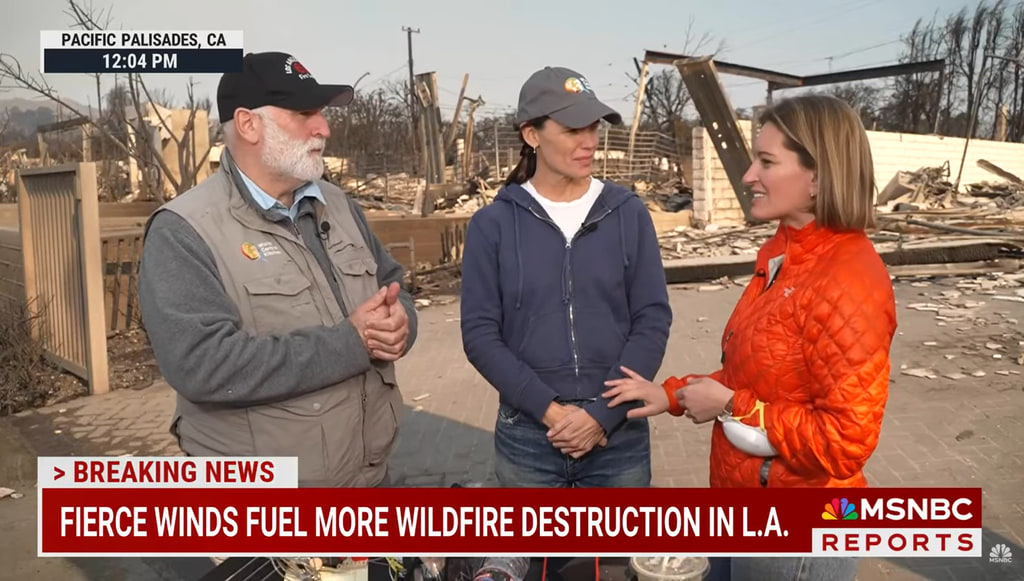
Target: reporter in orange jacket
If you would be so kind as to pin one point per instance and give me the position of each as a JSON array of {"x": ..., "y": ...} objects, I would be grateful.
[{"x": 799, "y": 399}]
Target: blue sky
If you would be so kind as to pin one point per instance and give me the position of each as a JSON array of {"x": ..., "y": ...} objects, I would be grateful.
[{"x": 499, "y": 43}]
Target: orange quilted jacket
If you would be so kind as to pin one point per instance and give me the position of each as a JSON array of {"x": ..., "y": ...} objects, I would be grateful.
[{"x": 812, "y": 343}]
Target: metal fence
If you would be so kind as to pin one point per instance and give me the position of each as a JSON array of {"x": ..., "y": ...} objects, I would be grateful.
[
  {"x": 496, "y": 151},
  {"x": 60, "y": 245},
  {"x": 654, "y": 154}
]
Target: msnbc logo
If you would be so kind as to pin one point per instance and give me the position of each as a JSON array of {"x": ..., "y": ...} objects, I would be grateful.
[{"x": 839, "y": 510}]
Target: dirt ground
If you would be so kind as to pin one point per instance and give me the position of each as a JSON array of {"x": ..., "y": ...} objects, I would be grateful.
[
  {"x": 132, "y": 366},
  {"x": 955, "y": 417}
]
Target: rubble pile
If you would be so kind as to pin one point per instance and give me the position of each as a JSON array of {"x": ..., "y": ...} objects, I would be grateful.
[
  {"x": 475, "y": 194},
  {"x": 673, "y": 195},
  {"x": 962, "y": 302},
  {"x": 114, "y": 183},
  {"x": 397, "y": 192},
  {"x": 1004, "y": 196},
  {"x": 925, "y": 229},
  {"x": 432, "y": 279},
  {"x": 10, "y": 161},
  {"x": 974, "y": 309},
  {"x": 929, "y": 188},
  {"x": 714, "y": 241},
  {"x": 394, "y": 192}
]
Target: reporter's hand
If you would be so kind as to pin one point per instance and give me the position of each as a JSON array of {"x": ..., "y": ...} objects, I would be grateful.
[
  {"x": 704, "y": 399},
  {"x": 634, "y": 387}
]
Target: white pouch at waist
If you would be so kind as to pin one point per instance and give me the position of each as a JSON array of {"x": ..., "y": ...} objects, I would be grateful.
[
  {"x": 750, "y": 439},
  {"x": 753, "y": 441}
]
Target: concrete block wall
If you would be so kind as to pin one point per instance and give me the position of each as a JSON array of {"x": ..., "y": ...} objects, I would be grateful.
[
  {"x": 713, "y": 197},
  {"x": 715, "y": 202}
]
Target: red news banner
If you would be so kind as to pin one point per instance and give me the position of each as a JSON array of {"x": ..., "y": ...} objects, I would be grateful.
[{"x": 245, "y": 506}]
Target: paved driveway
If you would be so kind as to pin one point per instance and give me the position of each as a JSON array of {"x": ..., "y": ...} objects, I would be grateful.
[{"x": 938, "y": 431}]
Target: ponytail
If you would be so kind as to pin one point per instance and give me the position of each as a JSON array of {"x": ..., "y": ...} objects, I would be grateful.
[{"x": 527, "y": 165}]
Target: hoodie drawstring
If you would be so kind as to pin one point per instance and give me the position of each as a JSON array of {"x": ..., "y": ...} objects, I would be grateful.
[
  {"x": 622, "y": 241},
  {"x": 519, "y": 257}
]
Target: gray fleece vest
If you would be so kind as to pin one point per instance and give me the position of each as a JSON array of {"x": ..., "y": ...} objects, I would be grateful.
[{"x": 342, "y": 434}]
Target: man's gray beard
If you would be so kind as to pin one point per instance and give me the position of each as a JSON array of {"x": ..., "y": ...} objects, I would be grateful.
[{"x": 291, "y": 157}]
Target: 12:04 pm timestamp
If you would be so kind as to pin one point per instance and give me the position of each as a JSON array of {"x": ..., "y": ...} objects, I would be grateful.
[
  {"x": 140, "y": 61},
  {"x": 130, "y": 60}
]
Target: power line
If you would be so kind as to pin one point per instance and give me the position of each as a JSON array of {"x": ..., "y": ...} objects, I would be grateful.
[
  {"x": 788, "y": 23},
  {"x": 866, "y": 48},
  {"x": 774, "y": 36},
  {"x": 385, "y": 76},
  {"x": 834, "y": 56},
  {"x": 901, "y": 37},
  {"x": 412, "y": 84}
]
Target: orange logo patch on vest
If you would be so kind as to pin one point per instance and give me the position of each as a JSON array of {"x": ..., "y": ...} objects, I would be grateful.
[{"x": 250, "y": 251}]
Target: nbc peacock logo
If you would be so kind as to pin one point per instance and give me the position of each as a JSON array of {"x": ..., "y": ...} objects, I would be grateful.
[
  {"x": 839, "y": 509},
  {"x": 1000, "y": 554}
]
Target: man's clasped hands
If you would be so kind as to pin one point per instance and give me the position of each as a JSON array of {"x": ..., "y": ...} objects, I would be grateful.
[{"x": 382, "y": 324}]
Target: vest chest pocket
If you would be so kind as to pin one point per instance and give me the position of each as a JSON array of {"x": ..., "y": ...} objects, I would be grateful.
[
  {"x": 279, "y": 304},
  {"x": 358, "y": 275}
]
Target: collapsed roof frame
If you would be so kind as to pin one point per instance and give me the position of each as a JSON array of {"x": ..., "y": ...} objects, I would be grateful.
[
  {"x": 719, "y": 117},
  {"x": 85, "y": 125}
]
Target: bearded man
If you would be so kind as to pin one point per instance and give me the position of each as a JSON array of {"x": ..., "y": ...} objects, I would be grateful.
[{"x": 272, "y": 309}]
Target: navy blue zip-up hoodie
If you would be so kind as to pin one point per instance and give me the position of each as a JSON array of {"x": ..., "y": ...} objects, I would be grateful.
[{"x": 543, "y": 319}]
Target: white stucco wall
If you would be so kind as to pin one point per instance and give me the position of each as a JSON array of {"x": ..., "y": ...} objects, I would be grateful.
[{"x": 715, "y": 202}]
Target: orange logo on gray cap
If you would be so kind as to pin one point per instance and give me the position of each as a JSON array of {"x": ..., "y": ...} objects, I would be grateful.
[{"x": 577, "y": 85}]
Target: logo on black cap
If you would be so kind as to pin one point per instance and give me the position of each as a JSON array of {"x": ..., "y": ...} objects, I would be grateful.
[
  {"x": 292, "y": 65},
  {"x": 278, "y": 79}
]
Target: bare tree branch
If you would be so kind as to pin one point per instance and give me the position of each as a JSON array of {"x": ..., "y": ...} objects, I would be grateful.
[
  {"x": 154, "y": 147},
  {"x": 143, "y": 149},
  {"x": 86, "y": 17},
  {"x": 5, "y": 123},
  {"x": 83, "y": 18},
  {"x": 186, "y": 155},
  {"x": 666, "y": 98},
  {"x": 11, "y": 71}
]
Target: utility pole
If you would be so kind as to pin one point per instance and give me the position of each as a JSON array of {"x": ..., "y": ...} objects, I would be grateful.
[{"x": 412, "y": 88}]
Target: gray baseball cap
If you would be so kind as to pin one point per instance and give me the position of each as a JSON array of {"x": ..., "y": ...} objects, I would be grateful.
[{"x": 565, "y": 96}]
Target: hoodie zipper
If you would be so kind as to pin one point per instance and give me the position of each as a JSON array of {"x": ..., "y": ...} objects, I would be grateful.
[{"x": 568, "y": 273}]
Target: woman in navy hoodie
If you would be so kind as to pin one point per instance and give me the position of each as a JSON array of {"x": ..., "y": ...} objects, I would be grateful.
[{"x": 562, "y": 284}]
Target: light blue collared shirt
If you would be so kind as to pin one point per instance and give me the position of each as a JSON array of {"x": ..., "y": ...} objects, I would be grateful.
[{"x": 268, "y": 202}]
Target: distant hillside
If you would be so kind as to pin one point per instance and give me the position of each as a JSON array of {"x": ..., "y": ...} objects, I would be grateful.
[
  {"x": 28, "y": 114},
  {"x": 34, "y": 103}
]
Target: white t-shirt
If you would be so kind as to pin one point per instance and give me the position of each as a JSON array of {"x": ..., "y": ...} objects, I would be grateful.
[{"x": 569, "y": 216}]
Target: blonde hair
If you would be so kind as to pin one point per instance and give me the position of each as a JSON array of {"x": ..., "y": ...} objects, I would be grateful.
[{"x": 829, "y": 139}]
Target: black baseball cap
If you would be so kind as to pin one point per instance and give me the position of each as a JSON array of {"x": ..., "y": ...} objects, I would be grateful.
[
  {"x": 279, "y": 79},
  {"x": 565, "y": 96}
]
